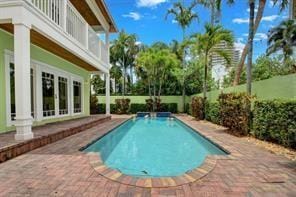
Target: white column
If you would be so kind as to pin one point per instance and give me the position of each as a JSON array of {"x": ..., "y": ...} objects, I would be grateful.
[
  {"x": 107, "y": 41},
  {"x": 22, "y": 82},
  {"x": 107, "y": 78},
  {"x": 64, "y": 14}
]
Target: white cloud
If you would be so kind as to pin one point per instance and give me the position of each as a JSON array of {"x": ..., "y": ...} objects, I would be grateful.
[
  {"x": 138, "y": 43},
  {"x": 134, "y": 15},
  {"x": 271, "y": 3},
  {"x": 258, "y": 36},
  {"x": 285, "y": 17},
  {"x": 149, "y": 3},
  {"x": 269, "y": 18},
  {"x": 261, "y": 36},
  {"x": 256, "y": 10},
  {"x": 264, "y": 18},
  {"x": 174, "y": 21},
  {"x": 240, "y": 20}
]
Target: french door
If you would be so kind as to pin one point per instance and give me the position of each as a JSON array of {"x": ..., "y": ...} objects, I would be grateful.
[{"x": 55, "y": 94}]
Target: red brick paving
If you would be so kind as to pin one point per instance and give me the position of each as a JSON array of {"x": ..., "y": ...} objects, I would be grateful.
[
  {"x": 59, "y": 169},
  {"x": 46, "y": 134}
]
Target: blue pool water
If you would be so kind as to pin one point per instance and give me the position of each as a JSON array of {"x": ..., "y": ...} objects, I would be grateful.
[{"x": 153, "y": 148}]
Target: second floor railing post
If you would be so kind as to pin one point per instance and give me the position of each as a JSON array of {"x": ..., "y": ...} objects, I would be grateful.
[
  {"x": 107, "y": 42},
  {"x": 64, "y": 14},
  {"x": 86, "y": 35}
]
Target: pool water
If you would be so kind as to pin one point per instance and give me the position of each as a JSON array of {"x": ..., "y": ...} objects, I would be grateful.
[{"x": 156, "y": 147}]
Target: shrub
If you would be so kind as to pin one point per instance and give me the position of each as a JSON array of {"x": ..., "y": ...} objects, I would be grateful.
[
  {"x": 102, "y": 108},
  {"x": 122, "y": 106},
  {"x": 169, "y": 107},
  {"x": 149, "y": 105},
  {"x": 234, "y": 112},
  {"x": 137, "y": 107},
  {"x": 93, "y": 104},
  {"x": 157, "y": 104},
  {"x": 113, "y": 108},
  {"x": 212, "y": 112},
  {"x": 275, "y": 121},
  {"x": 197, "y": 107}
]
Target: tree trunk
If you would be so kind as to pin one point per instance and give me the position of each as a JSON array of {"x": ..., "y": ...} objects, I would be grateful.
[
  {"x": 250, "y": 59},
  {"x": 131, "y": 74},
  {"x": 250, "y": 44},
  {"x": 240, "y": 65},
  {"x": 149, "y": 83},
  {"x": 123, "y": 84},
  {"x": 159, "y": 91},
  {"x": 183, "y": 65},
  {"x": 183, "y": 99},
  {"x": 213, "y": 12},
  {"x": 205, "y": 77},
  {"x": 154, "y": 89}
]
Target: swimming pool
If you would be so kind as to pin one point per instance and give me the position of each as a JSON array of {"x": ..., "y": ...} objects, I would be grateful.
[{"x": 154, "y": 147}]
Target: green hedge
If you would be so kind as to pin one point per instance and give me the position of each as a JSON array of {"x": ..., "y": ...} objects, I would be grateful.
[
  {"x": 275, "y": 121},
  {"x": 102, "y": 108},
  {"x": 164, "y": 107},
  {"x": 169, "y": 107},
  {"x": 213, "y": 112},
  {"x": 138, "y": 107}
]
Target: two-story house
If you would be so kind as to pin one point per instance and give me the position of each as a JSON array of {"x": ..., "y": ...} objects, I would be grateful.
[{"x": 48, "y": 51}]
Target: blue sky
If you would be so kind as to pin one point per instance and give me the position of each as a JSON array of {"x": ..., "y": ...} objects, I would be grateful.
[{"x": 146, "y": 18}]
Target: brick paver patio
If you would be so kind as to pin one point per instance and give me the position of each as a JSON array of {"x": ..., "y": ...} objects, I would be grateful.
[{"x": 60, "y": 169}]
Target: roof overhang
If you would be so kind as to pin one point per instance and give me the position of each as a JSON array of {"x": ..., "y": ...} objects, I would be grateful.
[
  {"x": 104, "y": 9},
  {"x": 96, "y": 13}
]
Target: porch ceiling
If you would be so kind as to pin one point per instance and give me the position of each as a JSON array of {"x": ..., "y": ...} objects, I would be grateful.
[{"x": 45, "y": 43}]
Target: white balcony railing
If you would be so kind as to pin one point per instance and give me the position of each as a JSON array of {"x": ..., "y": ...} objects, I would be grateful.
[
  {"x": 104, "y": 52},
  {"x": 65, "y": 15},
  {"x": 93, "y": 42}
]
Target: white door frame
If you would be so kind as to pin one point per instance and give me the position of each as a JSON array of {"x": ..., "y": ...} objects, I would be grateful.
[{"x": 39, "y": 67}]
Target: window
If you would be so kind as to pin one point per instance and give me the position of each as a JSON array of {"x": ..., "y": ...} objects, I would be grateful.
[
  {"x": 12, "y": 91},
  {"x": 63, "y": 96},
  {"x": 77, "y": 96},
  {"x": 48, "y": 95}
]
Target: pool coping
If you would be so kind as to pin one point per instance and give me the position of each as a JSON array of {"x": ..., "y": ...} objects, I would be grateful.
[{"x": 162, "y": 182}]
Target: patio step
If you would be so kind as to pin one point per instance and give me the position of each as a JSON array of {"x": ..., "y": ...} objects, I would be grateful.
[{"x": 46, "y": 134}]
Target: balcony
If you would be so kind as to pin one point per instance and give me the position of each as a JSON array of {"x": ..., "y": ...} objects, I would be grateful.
[
  {"x": 66, "y": 28},
  {"x": 70, "y": 21}
]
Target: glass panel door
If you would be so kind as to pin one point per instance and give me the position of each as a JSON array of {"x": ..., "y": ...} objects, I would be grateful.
[
  {"x": 12, "y": 91},
  {"x": 77, "y": 96},
  {"x": 48, "y": 94},
  {"x": 63, "y": 96}
]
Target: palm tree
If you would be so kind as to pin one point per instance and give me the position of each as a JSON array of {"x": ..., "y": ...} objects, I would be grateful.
[
  {"x": 116, "y": 74},
  {"x": 262, "y": 4},
  {"x": 206, "y": 44},
  {"x": 215, "y": 7},
  {"x": 184, "y": 17},
  {"x": 250, "y": 44},
  {"x": 282, "y": 38},
  {"x": 123, "y": 52}
]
